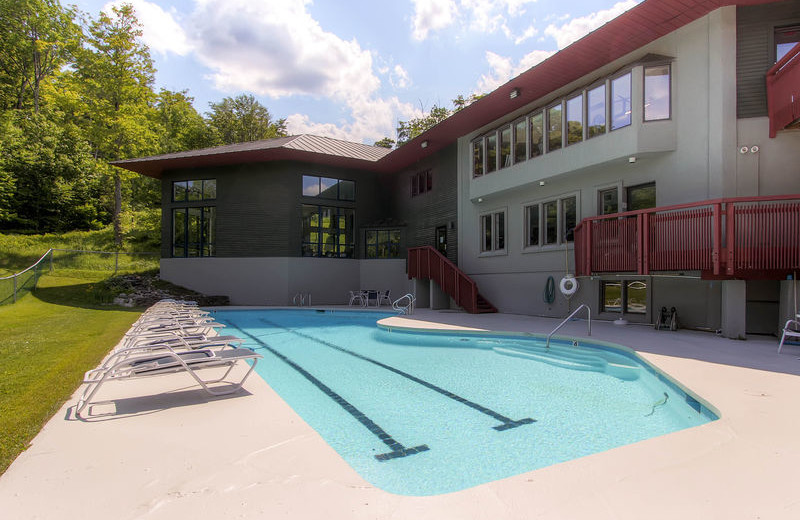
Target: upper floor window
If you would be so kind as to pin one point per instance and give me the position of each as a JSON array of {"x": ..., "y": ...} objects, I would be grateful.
[
  {"x": 328, "y": 188},
  {"x": 491, "y": 152},
  {"x": 575, "y": 119},
  {"x": 786, "y": 38},
  {"x": 596, "y": 111},
  {"x": 421, "y": 183},
  {"x": 621, "y": 101},
  {"x": 520, "y": 141},
  {"x": 537, "y": 134},
  {"x": 554, "y": 127},
  {"x": 505, "y": 147},
  {"x": 493, "y": 232},
  {"x": 190, "y": 191},
  {"x": 477, "y": 158},
  {"x": 656, "y": 93}
]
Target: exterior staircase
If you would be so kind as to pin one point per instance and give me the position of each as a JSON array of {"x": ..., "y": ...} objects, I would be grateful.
[{"x": 429, "y": 264}]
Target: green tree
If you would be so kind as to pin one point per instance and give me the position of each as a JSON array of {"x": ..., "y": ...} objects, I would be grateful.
[
  {"x": 37, "y": 38},
  {"x": 243, "y": 119},
  {"x": 183, "y": 127},
  {"x": 408, "y": 130},
  {"x": 116, "y": 73},
  {"x": 385, "y": 143}
]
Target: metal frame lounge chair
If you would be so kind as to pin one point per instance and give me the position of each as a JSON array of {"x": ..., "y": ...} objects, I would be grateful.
[
  {"x": 383, "y": 297},
  {"x": 171, "y": 362},
  {"x": 791, "y": 329}
]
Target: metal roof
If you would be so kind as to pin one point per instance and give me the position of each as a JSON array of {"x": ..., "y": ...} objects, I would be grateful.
[
  {"x": 626, "y": 33},
  {"x": 302, "y": 147}
]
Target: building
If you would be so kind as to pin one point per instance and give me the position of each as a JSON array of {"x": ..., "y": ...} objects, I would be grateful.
[{"x": 686, "y": 103}]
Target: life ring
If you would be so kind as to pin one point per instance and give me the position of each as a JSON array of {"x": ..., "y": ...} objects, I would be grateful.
[{"x": 568, "y": 285}]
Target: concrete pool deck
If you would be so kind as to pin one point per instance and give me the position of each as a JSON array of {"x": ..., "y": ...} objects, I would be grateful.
[{"x": 182, "y": 455}]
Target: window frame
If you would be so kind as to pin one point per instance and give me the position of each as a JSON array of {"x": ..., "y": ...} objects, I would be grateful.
[
  {"x": 387, "y": 243},
  {"x": 495, "y": 236},
  {"x": 560, "y": 105},
  {"x": 582, "y": 97},
  {"x": 629, "y": 189},
  {"x": 599, "y": 197},
  {"x": 515, "y": 140},
  {"x": 560, "y": 222},
  {"x": 589, "y": 89},
  {"x": 612, "y": 79},
  {"x": 208, "y": 233},
  {"x": 186, "y": 190},
  {"x": 339, "y": 182},
  {"x": 668, "y": 65},
  {"x": 340, "y": 212},
  {"x": 624, "y": 299}
]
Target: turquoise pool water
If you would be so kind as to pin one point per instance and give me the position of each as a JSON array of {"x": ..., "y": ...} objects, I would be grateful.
[{"x": 424, "y": 414}]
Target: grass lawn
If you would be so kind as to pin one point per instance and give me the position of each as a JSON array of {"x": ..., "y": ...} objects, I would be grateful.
[{"x": 48, "y": 340}]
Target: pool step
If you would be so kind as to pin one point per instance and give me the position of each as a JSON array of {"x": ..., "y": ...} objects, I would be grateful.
[{"x": 574, "y": 360}]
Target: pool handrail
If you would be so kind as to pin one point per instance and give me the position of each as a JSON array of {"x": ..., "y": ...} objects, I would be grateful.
[
  {"x": 581, "y": 306},
  {"x": 407, "y": 308}
]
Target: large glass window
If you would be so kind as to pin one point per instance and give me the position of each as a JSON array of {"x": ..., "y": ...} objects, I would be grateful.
[
  {"x": 551, "y": 222},
  {"x": 382, "y": 243},
  {"x": 505, "y": 147},
  {"x": 569, "y": 219},
  {"x": 642, "y": 196},
  {"x": 328, "y": 231},
  {"x": 621, "y": 101},
  {"x": 328, "y": 188},
  {"x": 537, "y": 134},
  {"x": 421, "y": 182},
  {"x": 785, "y": 39},
  {"x": 656, "y": 93},
  {"x": 477, "y": 158},
  {"x": 630, "y": 295},
  {"x": 575, "y": 120},
  {"x": 194, "y": 190},
  {"x": 520, "y": 141},
  {"x": 596, "y": 111},
  {"x": 491, "y": 152},
  {"x": 493, "y": 232},
  {"x": 554, "y": 128},
  {"x": 193, "y": 231}
]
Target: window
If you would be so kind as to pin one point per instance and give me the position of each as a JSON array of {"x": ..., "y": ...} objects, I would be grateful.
[
  {"x": 537, "y": 135},
  {"x": 193, "y": 231},
  {"x": 493, "y": 232},
  {"x": 520, "y": 141},
  {"x": 621, "y": 101},
  {"x": 575, "y": 120},
  {"x": 327, "y": 231},
  {"x": 656, "y": 93},
  {"x": 382, "y": 243},
  {"x": 608, "y": 201},
  {"x": 551, "y": 222},
  {"x": 191, "y": 191},
  {"x": 785, "y": 39},
  {"x": 630, "y": 295},
  {"x": 532, "y": 228},
  {"x": 596, "y": 111},
  {"x": 421, "y": 183},
  {"x": 554, "y": 127},
  {"x": 328, "y": 188},
  {"x": 505, "y": 147},
  {"x": 642, "y": 196},
  {"x": 477, "y": 158},
  {"x": 491, "y": 152}
]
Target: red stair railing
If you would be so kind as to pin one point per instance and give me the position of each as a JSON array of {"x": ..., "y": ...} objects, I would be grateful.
[
  {"x": 427, "y": 263},
  {"x": 783, "y": 91}
]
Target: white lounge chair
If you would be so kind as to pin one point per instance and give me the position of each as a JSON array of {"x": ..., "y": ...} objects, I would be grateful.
[
  {"x": 356, "y": 297},
  {"x": 383, "y": 297},
  {"x": 171, "y": 362},
  {"x": 790, "y": 330}
]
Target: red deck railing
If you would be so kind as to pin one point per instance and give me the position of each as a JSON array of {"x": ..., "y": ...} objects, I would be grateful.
[
  {"x": 783, "y": 91},
  {"x": 751, "y": 237},
  {"x": 428, "y": 263}
]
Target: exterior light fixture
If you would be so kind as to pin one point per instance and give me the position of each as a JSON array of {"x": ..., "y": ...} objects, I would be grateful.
[
  {"x": 480, "y": 200},
  {"x": 514, "y": 93},
  {"x": 541, "y": 183},
  {"x": 631, "y": 159},
  {"x": 424, "y": 144}
]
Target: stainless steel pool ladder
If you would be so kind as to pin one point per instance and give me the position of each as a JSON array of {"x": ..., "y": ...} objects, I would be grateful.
[
  {"x": 405, "y": 304},
  {"x": 581, "y": 306}
]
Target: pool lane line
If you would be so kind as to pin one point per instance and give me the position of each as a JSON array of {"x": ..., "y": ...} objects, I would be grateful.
[
  {"x": 398, "y": 450},
  {"x": 507, "y": 423}
]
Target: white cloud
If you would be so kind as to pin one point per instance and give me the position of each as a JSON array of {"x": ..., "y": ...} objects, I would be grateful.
[
  {"x": 160, "y": 31},
  {"x": 502, "y": 68},
  {"x": 576, "y": 28},
  {"x": 432, "y": 15},
  {"x": 399, "y": 77},
  {"x": 530, "y": 32}
]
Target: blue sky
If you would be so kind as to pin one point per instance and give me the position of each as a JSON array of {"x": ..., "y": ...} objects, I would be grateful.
[{"x": 350, "y": 69}]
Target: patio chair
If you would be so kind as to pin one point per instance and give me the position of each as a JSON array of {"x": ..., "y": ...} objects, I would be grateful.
[
  {"x": 356, "y": 297},
  {"x": 384, "y": 297},
  {"x": 790, "y": 330},
  {"x": 371, "y": 296},
  {"x": 171, "y": 362}
]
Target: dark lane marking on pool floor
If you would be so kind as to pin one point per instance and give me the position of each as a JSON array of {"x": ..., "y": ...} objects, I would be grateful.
[
  {"x": 507, "y": 422},
  {"x": 398, "y": 450}
]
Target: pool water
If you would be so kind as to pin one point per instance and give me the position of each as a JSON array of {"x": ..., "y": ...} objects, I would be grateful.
[{"x": 425, "y": 414}]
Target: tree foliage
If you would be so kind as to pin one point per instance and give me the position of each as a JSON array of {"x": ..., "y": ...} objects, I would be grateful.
[
  {"x": 408, "y": 130},
  {"x": 243, "y": 119}
]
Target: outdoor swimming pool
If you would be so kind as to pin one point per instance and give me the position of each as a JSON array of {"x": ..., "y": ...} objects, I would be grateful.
[{"x": 424, "y": 414}]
